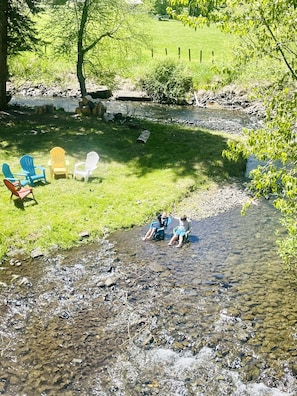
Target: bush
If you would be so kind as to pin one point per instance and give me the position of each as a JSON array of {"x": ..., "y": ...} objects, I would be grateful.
[{"x": 168, "y": 83}]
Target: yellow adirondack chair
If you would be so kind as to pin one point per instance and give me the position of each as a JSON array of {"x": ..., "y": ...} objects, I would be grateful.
[{"x": 58, "y": 164}]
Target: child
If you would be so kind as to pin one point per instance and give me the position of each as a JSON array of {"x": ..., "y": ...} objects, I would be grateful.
[
  {"x": 182, "y": 231},
  {"x": 162, "y": 221}
]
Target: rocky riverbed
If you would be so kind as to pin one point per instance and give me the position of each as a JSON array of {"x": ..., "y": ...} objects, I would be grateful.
[
  {"x": 231, "y": 96},
  {"x": 126, "y": 317}
]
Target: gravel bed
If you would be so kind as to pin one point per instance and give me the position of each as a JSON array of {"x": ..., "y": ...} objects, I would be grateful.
[{"x": 213, "y": 201}]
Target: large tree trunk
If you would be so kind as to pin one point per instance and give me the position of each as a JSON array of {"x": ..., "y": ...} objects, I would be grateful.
[
  {"x": 3, "y": 53},
  {"x": 79, "y": 73},
  {"x": 80, "y": 50}
]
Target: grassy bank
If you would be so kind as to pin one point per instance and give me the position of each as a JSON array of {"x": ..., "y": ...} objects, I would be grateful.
[
  {"x": 133, "y": 180},
  {"x": 210, "y": 51}
]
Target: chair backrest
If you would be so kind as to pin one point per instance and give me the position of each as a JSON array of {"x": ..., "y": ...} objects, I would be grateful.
[
  {"x": 168, "y": 221},
  {"x": 27, "y": 164},
  {"x": 58, "y": 157},
  {"x": 6, "y": 171},
  {"x": 92, "y": 160},
  {"x": 11, "y": 187}
]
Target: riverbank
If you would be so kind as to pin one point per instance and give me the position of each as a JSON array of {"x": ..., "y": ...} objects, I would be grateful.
[{"x": 229, "y": 97}]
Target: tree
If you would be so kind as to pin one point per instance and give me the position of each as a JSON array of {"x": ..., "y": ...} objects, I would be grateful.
[
  {"x": 83, "y": 27},
  {"x": 3, "y": 53},
  {"x": 16, "y": 34},
  {"x": 267, "y": 31}
]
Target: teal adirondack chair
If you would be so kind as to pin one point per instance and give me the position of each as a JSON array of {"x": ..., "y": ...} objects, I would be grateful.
[
  {"x": 28, "y": 167},
  {"x": 14, "y": 177}
]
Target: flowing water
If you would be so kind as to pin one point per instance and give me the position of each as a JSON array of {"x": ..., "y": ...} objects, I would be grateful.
[
  {"x": 126, "y": 317},
  {"x": 231, "y": 121}
]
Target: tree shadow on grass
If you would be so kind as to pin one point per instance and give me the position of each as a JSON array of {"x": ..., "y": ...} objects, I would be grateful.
[{"x": 187, "y": 151}]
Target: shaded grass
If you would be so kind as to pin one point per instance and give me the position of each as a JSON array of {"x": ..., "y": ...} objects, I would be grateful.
[{"x": 133, "y": 180}]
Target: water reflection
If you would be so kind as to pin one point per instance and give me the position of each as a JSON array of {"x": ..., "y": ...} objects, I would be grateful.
[{"x": 127, "y": 317}]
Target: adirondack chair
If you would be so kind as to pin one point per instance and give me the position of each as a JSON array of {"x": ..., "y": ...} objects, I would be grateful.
[
  {"x": 28, "y": 167},
  {"x": 58, "y": 165},
  {"x": 85, "y": 169},
  {"x": 12, "y": 177},
  {"x": 17, "y": 190}
]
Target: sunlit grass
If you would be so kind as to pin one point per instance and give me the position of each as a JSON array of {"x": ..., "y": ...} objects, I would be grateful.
[{"x": 133, "y": 180}]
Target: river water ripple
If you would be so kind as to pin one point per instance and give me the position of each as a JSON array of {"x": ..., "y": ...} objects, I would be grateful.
[
  {"x": 218, "y": 119},
  {"x": 126, "y": 317}
]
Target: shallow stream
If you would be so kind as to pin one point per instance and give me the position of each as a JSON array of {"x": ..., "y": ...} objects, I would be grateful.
[
  {"x": 222, "y": 119},
  {"x": 126, "y": 317}
]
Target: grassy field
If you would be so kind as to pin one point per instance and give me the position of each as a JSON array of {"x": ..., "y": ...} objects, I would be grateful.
[
  {"x": 133, "y": 180},
  {"x": 202, "y": 51},
  {"x": 210, "y": 50}
]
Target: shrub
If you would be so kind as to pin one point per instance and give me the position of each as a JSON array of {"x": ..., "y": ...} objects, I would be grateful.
[{"x": 168, "y": 83}]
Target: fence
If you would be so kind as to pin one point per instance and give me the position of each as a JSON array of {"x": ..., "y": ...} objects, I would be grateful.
[{"x": 189, "y": 54}]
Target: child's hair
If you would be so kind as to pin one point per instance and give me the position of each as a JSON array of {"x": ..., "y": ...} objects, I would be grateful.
[{"x": 184, "y": 217}]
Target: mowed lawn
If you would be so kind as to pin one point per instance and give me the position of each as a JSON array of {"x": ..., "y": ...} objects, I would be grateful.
[{"x": 133, "y": 180}]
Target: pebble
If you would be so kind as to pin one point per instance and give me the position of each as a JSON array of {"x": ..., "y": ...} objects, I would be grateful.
[{"x": 217, "y": 199}]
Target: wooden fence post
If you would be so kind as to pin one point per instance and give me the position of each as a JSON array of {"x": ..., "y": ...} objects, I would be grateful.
[
  {"x": 200, "y": 56},
  {"x": 178, "y": 52},
  {"x": 190, "y": 54},
  {"x": 152, "y": 51},
  {"x": 212, "y": 54},
  {"x": 166, "y": 51}
]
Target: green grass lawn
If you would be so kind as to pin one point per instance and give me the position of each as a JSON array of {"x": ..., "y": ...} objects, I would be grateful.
[
  {"x": 172, "y": 35},
  {"x": 202, "y": 51},
  {"x": 133, "y": 180},
  {"x": 210, "y": 50}
]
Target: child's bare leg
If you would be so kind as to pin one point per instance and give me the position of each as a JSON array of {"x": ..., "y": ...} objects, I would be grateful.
[
  {"x": 151, "y": 233},
  {"x": 180, "y": 241},
  {"x": 172, "y": 240}
]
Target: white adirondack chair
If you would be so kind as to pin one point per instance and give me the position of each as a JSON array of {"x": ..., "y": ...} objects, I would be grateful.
[{"x": 85, "y": 169}]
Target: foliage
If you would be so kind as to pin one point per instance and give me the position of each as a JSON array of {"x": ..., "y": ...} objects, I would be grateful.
[
  {"x": 130, "y": 185},
  {"x": 16, "y": 34},
  {"x": 267, "y": 30},
  {"x": 21, "y": 33},
  {"x": 168, "y": 83},
  {"x": 83, "y": 30},
  {"x": 276, "y": 145},
  {"x": 117, "y": 57}
]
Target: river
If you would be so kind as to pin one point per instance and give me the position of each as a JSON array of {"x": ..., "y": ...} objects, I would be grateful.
[
  {"x": 127, "y": 318},
  {"x": 222, "y": 119}
]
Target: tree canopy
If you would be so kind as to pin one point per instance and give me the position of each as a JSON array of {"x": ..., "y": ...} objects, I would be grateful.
[
  {"x": 17, "y": 34},
  {"x": 80, "y": 29},
  {"x": 267, "y": 29}
]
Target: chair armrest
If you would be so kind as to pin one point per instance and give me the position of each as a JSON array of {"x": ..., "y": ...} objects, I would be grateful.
[
  {"x": 17, "y": 185},
  {"x": 13, "y": 179},
  {"x": 42, "y": 168},
  {"x": 21, "y": 174},
  {"x": 26, "y": 173},
  {"x": 78, "y": 165}
]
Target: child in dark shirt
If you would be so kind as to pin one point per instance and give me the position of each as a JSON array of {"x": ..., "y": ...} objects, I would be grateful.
[{"x": 162, "y": 221}]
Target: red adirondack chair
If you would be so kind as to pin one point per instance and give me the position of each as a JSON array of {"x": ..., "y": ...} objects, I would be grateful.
[{"x": 17, "y": 190}]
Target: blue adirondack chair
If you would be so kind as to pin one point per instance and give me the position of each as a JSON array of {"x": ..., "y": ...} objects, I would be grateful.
[
  {"x": 14, "y": 177},
  {"x": 28, "y": 167}
]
